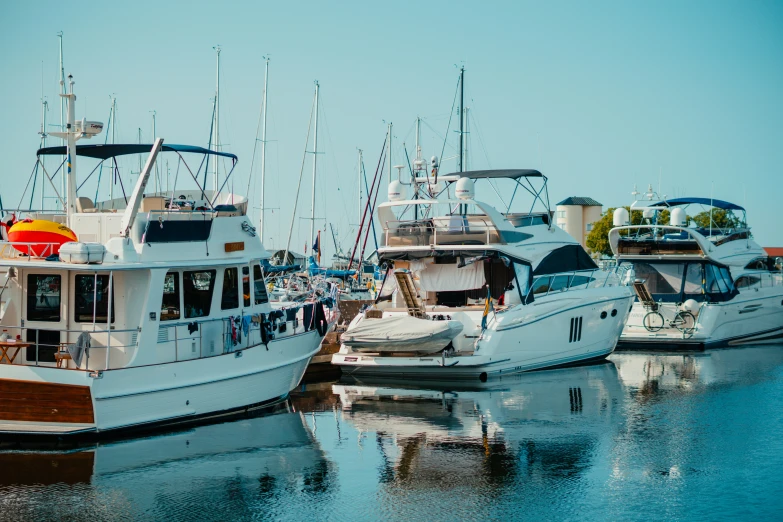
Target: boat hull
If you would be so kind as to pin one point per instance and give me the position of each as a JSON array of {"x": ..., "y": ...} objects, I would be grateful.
[
  {"x": 753, "y": 317},
  {"x": 165, "y": 394},
  {"x": 527, "y": 338}
]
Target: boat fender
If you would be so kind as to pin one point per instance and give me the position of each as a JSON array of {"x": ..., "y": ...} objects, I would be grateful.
[{"x": 321, "y": 324}]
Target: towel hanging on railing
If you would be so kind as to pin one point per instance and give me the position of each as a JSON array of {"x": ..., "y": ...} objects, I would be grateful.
[{"x": 80, "y": 348}]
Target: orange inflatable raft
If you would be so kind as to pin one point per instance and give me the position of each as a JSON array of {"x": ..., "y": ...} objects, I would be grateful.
[{"x": 43, "y": 237}]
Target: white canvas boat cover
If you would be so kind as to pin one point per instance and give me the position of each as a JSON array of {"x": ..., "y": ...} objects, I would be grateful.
[
  {"x": 445, "y": 278},
  {"x": 401, "y": 333}
]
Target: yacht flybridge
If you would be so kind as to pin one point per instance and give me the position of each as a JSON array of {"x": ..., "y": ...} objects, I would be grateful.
[
  {"x": 481, "y": 292},
  {"x": 156, "y": 313},
  {"x": 700, "y": 286}
]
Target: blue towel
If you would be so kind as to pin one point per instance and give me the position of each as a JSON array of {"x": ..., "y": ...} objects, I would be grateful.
[{"x": 246, "y": 323}]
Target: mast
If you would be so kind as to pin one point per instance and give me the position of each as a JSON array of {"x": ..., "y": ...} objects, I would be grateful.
[
  {"x": 390, "y": 152},
  {"x": 263, "y": 150},
  {"x": 315, "y": 158},
  {"x": 467, "y": 131},
  {"x": 154, "y": 134},
  {"x": 44, "y": 110},
  {"x": 217, "y": 123},
  {"x": 359, "y": 169},
  {"x": 461, "y": 115},
  {"x": 62, "y": 106}
]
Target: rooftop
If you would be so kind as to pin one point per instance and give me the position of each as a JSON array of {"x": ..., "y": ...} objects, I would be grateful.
[
  {"x": 580, "y": 201},
  {"x": 774, "y": 251}
]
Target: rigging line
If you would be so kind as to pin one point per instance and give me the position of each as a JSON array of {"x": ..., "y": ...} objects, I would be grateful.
[
  {"x": 372, "y": 220},
  {"x": 255, "y": 142},
  {"x": 451, "y": 115},
  {"x": 35, "y": 179},
  {"x": 209, "y": 146},
  {"x": 438, "y": 134},
  {"x": 35, "y": 169},
  {"x": 367, "y": 205},
  {"x": 119, "y": 178},
  {"x": 105, "y": 141},
  {"x": 332, "y": 157},
  {"x": 174, "y": 185},
  {"x": 372, "y": 211},
  {"x": 299, "y": 185}
]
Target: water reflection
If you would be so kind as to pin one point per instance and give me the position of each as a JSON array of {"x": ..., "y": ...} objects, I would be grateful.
[
  {"x": 220, "y": 471},
  {"x": 642, "y": 436}
]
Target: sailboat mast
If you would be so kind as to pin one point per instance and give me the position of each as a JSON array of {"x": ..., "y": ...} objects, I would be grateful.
[
  {"x": 154, "y": 134},
  {"x": 359, "y": 169},
  {"x": 215, "y": 181},
  {"x": 113, "y": 123},
  {"x": 44, "y": 109},
  {"x": 263, "y": 151},
  {"x": 62, "y": 107},
  {"x": 461, "y": 115},
  {"x": 315, "y": 160},
  {"x": 467, "y": 131},
  {"x": 391, "y": 169}
]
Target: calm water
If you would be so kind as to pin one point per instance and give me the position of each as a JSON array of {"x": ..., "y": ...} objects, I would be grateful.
[{"x": 643, "y": 437}]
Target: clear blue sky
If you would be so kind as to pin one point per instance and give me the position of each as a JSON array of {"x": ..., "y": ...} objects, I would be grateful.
[{"x": 599, "y": 96}]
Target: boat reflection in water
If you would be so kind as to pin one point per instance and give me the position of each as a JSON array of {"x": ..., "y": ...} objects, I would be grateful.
[
  {"x": 512, "y": 432},
  {"x": 219, "y": 471}
]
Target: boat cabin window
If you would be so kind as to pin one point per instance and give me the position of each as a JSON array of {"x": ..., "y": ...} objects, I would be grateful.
[
  {"x": 259, "y": 286},
  {"x": 661, "y": 278},
  {"x": 541, "y": 285},
  {"x": 748, "y": 281},
  {"x": 230, "y": 297},
  {"x": 693, "y": 279},
  {"x": 169, "y": 309},
  {"x": 90, "y": 299},
  {"x": 43, "y": 297},
  {"x": 197, "y": 289},
  {"x": 246, "y": 285}
]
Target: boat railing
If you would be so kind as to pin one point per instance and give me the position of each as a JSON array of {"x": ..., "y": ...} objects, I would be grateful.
[
  {"x": 549, "y": 284},
  {"x": 46, "y": 353},
  {"x": 442, "y": 231},
  {"x": 27, "y": 251},
  {"x": 759, "y": 280}
]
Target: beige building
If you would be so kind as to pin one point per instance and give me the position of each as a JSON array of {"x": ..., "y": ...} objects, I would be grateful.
[{"x": 576, "y": 216}]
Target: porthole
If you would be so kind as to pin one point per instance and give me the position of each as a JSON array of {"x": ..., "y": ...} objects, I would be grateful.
[
  {"x": 614, "y": 312},
  {"x": 603, "y": 314}
]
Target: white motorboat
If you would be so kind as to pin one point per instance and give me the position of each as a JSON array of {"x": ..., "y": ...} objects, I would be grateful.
[
  {"x": 699, "y": 287},
  {"x": 400, "y": 334},
  {"x": 446, "y": 255},
  {"x": 157, "y": 314}
]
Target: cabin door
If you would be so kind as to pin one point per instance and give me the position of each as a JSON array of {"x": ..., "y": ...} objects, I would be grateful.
[{"x": 44, "y": 314}]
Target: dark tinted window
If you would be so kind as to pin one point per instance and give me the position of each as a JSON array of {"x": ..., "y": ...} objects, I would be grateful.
[
  {"x": 230, "y": 297},
  {"x": 169, "y": 309},
  {"x": 259, "y": 286},
  {"x": 197, "y": 289},
  {"x": 89, "y": 299},
  {"x": 43, "y": 297},
  {"x": 541, "y": 285},
  {"x": 246, "y": 285}
]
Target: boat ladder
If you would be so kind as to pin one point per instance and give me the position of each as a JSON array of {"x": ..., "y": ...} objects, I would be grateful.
[{"x": 408, "y": 291}]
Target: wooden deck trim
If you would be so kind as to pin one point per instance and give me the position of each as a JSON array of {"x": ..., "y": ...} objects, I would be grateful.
[{"x": 29, "y": 401}]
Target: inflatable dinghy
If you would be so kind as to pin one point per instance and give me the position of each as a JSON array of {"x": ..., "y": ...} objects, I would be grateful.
[{"x": 400, "y": 333}]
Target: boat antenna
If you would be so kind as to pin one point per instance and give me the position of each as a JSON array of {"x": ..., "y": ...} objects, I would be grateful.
[{"x": 217, "y": 120}]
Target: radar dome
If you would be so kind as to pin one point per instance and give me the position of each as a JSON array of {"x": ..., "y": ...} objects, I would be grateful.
[
  {"x": 465, "y": 189},
  {"x": 677, "y": 218},
  {"x": 648, "y": 213},
  {"x": 396, "y": 191},
  {"x": 691, "y": 305},
  {"x": 620, "y": 217}
]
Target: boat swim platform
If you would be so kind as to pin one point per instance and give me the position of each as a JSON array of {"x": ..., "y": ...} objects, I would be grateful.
[{"x": 44, "y": 428}]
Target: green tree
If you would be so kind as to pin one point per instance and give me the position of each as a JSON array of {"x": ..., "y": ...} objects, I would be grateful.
[
  {"x": 720, "y": 219},
  {"x": 598, "y": 238}
]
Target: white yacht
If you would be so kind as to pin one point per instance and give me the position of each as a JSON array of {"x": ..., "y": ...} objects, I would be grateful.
[
  {"x": 481, "y": 293},
  {"x": 698, "y": 286},
  {"x": 156, "y": 314}
]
